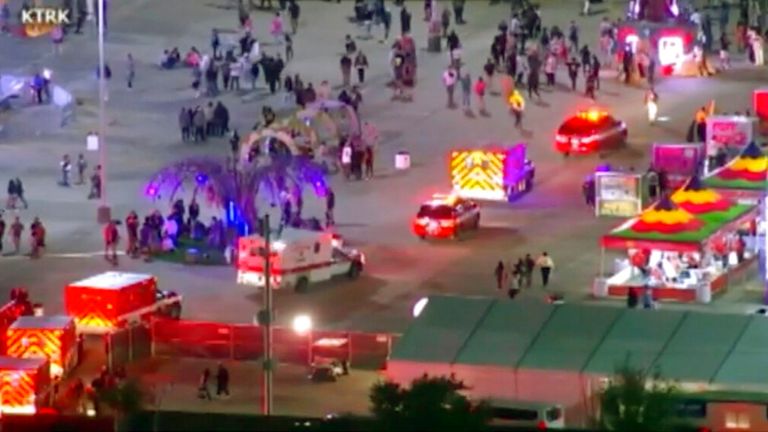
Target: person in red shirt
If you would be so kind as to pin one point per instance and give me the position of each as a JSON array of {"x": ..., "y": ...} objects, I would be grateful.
[
  {"x": 480, "y": 94},
  {"x": 111, "y": 237},
  {"x": 132, "y": 229},
  {"x": 37, "y": 231}
]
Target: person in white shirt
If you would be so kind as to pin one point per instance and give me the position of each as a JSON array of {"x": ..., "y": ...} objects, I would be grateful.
[
  {"x": 235, "y": 71},
  {"x": 450, "y": 76},
  {"x": 255, "y": 53},
  {"x": 346, "y": 160}
]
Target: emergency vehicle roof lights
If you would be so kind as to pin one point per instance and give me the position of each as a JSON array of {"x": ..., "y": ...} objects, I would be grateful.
[
  {"x": 443, "y": 199},
  {"x": 278, "y": 246},
  {"x": 592, "y": 115}
]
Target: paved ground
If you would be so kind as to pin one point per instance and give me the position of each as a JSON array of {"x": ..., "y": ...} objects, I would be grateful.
[
  {"x": 294, "y": 394},
  {"x": 373, "y": 215}
]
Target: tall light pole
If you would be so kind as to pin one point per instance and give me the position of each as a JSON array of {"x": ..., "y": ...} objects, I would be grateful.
[
  {"x": 266, "y": 319},
  {"x": 103, "y": 214}
]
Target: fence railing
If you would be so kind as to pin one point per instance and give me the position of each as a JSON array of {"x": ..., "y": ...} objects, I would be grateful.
[{"x": 171, "y": 338}]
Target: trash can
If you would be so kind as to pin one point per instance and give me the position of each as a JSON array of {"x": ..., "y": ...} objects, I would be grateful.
[
  {"x": 402, "y": 160},
  {"x": 600, "y": 287},
  {"x": 703, "y": 292}
]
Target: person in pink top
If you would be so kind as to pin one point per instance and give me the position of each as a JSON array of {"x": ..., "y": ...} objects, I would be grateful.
[
  {"x": 57, "y": 37},
  {"x": 277, "y": 28}
]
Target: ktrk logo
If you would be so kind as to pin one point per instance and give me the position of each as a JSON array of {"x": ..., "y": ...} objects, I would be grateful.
[{"x": 39, "y": 21}]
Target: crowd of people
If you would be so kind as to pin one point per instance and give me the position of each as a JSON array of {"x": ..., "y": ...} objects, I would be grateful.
[{"x": 514, "y": 277}]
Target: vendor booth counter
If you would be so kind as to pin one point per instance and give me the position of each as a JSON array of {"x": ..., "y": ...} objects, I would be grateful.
[
  {"x": 713, "y": 284},
  {"x": 687, "y": 247}
]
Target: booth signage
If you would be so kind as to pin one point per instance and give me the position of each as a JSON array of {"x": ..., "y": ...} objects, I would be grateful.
[
  {"x": 732, "y": 132},
  {"x": 760, "y": 103},
  {"x": 678, "y": 161},
  {"x": 618, "y": 194}
]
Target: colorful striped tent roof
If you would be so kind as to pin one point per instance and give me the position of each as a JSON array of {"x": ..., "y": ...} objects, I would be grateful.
[
  {"x": 748, "y": 171},
  {"x": 682, "y": 221}
]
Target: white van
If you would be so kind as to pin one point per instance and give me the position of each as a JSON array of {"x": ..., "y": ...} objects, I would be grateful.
[{"x": 529, "y": 414}]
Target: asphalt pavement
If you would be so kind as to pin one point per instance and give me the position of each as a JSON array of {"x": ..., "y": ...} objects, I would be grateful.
[{"x": 373, "y": 215}]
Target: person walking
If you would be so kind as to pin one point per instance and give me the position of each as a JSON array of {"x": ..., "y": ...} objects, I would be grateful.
[
  {"x": 361, "y": 64},
  {"x": 203, "y": 392},
  {"x": 37, "y": 231},
  {"x": 346, "y": 69},
  {"x": 132, "y": 230},
  {"x": 235, "y": 71},
  {"x": 82, "y": 165},
  {"x": 528, "y": 265},
  {"x": 20, "y": 193},
  {"x": 480, "y": 95},
  {"x": 276, "y": 28},
  {"x": 2, "y": 231},
  {"x": 222, "y": 381},
  {"x": 500, "y": 274},
  {"x": 549, "y": 69},
  {"x": 17, "y": 228},
  {"x": 66, "y": 168},
  {"x": 13, "y": 196},
  {"x": 368, "y": 162},
  {"x": 215, "y": 42},
  {"x": 294, "y": 11},
  {"x": 131, "y": 70},
  {"x": 466, "y": 86},
  {"x": 450, "y": 76},
  {"x": 346, "y": 161},
  {"x": 405, "y": 20},
  {"x": 573, "y": 71},
  {"x": 546, "y": 265},
  {"x": 288, "y": 48},
  {"x": 111, "y": 239},
  {"x": 651, "y": 105},
  {"x": 330, "y": 205},
  {"x": 517, "y": 106}
]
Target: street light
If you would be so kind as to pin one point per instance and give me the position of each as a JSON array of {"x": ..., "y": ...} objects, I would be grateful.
[
  {"x": 302, "y": 325},
  {"x": 103, "y": 214},
  {"x": 418, "y": 308}
]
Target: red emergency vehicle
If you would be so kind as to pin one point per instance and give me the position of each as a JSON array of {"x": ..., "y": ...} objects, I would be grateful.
[
  {"x": 589, "y": 131},
  {"x": 25, "y": 384},
  {"x": 446, "y": 216},
  {"x": 51, "y": 337},
  {"x": 104, "y": 302}
]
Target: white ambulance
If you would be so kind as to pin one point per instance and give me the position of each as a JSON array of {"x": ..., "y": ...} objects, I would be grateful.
[{"x": 297, "y": 258}]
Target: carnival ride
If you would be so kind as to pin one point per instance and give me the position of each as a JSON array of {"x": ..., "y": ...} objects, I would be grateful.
[
  {"x": 326, "y": 123},
  {"x": 238, "y": 188}
]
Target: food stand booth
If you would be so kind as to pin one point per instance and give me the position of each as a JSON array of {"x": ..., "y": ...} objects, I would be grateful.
[
  {"x": 729, "y": 135},
  {"x": 687, "y": 247}
]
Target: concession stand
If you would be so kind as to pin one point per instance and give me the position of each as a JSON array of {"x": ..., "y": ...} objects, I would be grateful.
[{"x": 686, "y": 247}]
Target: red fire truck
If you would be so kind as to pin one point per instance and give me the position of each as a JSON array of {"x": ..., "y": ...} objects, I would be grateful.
[{"x": 110, "y": 300}]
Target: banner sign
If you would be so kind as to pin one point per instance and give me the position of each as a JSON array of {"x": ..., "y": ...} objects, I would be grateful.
[
  {"x": 618, "y": 194},
  {"x": 678, "y": 161},
  {"x": 731, "y": 132}
]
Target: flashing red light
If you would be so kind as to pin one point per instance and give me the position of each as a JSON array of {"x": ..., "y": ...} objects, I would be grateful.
[
  {"x": 592, "y": 115},
  {"x": 542, "y": 425}
]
